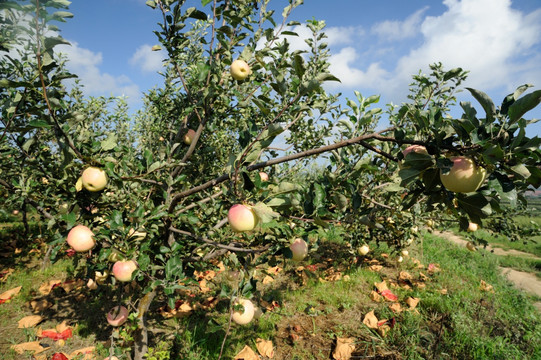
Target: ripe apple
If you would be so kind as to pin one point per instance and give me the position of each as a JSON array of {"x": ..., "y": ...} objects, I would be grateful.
[
  {"x": 473, "y": 227},
  {"x": 80, "y": 238},
  {"x": 363, "y": 250},
  {"x": 419, "y": 149},
  {"x": 117, "y": 316},
  {"x": 263, "y": 176},
  {"x": 94, "y": 179},
  {"x": 188, "y": 137},
  {"x": 123, "y": 270},
  {"x": 240, "y": 70},
  {"x": 241, "y": 218},
  {"x": 15, "y": 212},
  {"x": 299, "y": 248},
  {"x": 465, "y": 176},
  {"x": 244, "y": 317}
]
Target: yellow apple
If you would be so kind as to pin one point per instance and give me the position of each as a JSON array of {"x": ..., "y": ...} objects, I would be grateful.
[
  {"x": 240, "y": 70},
  {"x": 263, "y": 176},
  {"x": 299, "y": 248},
  {"x": 363, "y": 250},
  {"x": 188, "y": 137},
  {"x": 464, "y": 177},
  {"x": 123, "y": 270},
  {"x": 244, "y": 317},
  {"x": 472, "y": 227},
  {"x": 241, "y": 218},
  {"x": 80, "y": 238},
  {"x": 94, "y": 179}
]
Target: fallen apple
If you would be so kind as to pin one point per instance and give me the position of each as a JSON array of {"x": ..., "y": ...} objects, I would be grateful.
[
  {"x": 91, "y": 284},
  {"x": 472, "y": 227},
  {"x": 123, "y": 270},
  {"x": 81, "y": 239},
  {"x": 299, "y": 248},
  {"x": 246, "y": 315},
  {"x": 405, "y": 252},
  {"x": 241, "y": 218},
  {"x": 470, "y": 246},
  {"x": 240, "y": 70},
  {"x": 94, "y": 179},
  {"x": 400, "y": 259},
  {"x": 464, "y": 177},
  {"x": 117, "y": 316},
  {"x": 363, "y": 250},
  {"x": 189, "y": 136}
]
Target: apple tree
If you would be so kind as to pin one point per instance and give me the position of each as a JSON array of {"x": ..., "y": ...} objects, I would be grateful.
[{"x": 201, "y": 142}]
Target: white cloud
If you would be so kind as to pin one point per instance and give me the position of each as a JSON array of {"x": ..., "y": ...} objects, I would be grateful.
[
  {"x": 396, "y": 30},
  {"x": 496, "y": 43},
  {"x": 86, "y": 64},
  {"x": 146, "y": 59}
]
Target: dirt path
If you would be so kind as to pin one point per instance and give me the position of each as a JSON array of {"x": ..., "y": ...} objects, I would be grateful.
[{"x": 523, "y": 280}]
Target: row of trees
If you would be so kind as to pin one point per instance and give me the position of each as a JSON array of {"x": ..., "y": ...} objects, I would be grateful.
[{"x": 165, "y": 200}]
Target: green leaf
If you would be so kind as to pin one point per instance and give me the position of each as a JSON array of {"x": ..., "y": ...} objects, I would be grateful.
[
  {"x": 511, "y": 98},
  {"x": 264, "y": 212},
  {"x": 523, "y": 105},
  {"x": 261, "y": 106},
  {"x": 196, "y": 14},
  {"x": 151, "y": 3},
  {"x": 110, "y": 142},
  {"x": 485, "y": 101},
  {"x": 493, "y": 154},
  {"x": 327, "y": 77},
  {"x": 521, "y": 170},
  {"x": 476, "y": 205},
  {"x": 205, "y": 2},
  {"x": 408, "y": 175}
]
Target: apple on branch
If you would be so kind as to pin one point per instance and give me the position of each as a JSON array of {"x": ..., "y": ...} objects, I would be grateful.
[
  {"x": 240, "y": 70},
  {"x": 263, "y": 176},
  {"x": 241, "y": 218},
  {"x": 80, "y": 238},
  {"x": 94, "y": 179},
  {"x": 123, "y": 270},
  {"x": 464, "y": 177},
  {"x": 299, "y": 249},
  {"x": 189, "y": 136},
  {"x": 418, "y": 149}
]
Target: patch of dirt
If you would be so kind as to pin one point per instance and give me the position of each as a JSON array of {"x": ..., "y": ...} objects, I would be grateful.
[{"x": 523, "y": 280}]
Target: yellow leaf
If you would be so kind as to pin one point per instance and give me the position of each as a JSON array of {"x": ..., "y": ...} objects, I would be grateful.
[
  {"x": 29, "y": 321},
  {"x": 62, "y": 326},
  {"x": 486, "y": 287},
  {"x": 267, "y": 280},
  {"x": 375, "y": 268},
  {"x": 40, "y": 305},
  {"x": 87, "y": 353},
  {"x": 412, "y": 302},
  {"x": 375, "y": 296},
  {"x": 371, "y": 320},
  {"x": 265, "y": 348},
  {"x": 4, "y": 274},
  {"x": 10, "y": 293},
  {"x": 382, "y": 330},
  {"x": 344, "y": 348},
  {"x": 396, "y": 308},
  {"x": 28, "y": 346},
  {"x": 404, "y": 275},
  {"x": 382, "y": 286},
  {"x": 47, "y": 287},
  {"x": 246, "y": 354}
]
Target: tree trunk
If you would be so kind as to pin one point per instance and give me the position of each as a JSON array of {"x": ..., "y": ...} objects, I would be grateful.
[{"x": 141, "y": 338}]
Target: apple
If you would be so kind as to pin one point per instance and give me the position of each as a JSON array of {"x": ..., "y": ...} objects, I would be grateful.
[
  {"x": 464, "y": 177},
  {"x": 91, "y": 284},
  {"x": 15, "y": 212},
  {"x": 263, "y": 176},
  {"x": 419, "y": 149},
  {"x": 117, "y": 316},
  {"x": 244, "y": 317},
  {"x": 241, "y": 218},
  {"x": 472, "y": 227},
  {"x": 405, "y": 252},
  {"x": 470, "y": 246},
  {"x": 240, "y": 70},
  {"x": 94, "y": 179},
  {"x": 299, "y": 248},
  {"x": 101, "y": 277},
  {"x": 188, "y": 137},
  {"x": 80, "y": 238},
  {"x": 430, "y": 223},
  {"x": 400, "y": 259},
  {"x": 363, "y": 250},
  {"x": 123, "y": 270}
]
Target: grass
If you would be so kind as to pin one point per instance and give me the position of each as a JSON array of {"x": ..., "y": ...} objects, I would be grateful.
[{"x": 465, "y": 322}]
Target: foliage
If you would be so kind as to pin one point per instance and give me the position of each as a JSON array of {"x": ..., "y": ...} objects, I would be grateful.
[{"x": 177, "y": 195}]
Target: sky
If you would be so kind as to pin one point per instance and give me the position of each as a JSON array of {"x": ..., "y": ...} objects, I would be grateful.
[{"x": 376, "y": 46}]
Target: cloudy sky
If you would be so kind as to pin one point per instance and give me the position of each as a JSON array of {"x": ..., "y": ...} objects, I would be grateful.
[{"x": 375, "y": 46}]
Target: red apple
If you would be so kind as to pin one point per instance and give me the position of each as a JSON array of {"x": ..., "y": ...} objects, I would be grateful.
[
  {"x": 123, "y": 270},
  {"x": 80, "y": 238},
  {"x": 241, "y": 218},
  {"x": 465, "y": 176},
  {"x": 117, "y": 316},
  {"x": 299, "y": 248},
  {"x": 419, "y": 149},
  {"x": 188, "y": 137},
  {"x": 245, "y": 316},
  {"x": 94, "y": 179}
]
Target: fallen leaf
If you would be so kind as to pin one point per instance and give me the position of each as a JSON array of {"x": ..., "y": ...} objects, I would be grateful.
[
  {"x": 486, "y": 287},
  {"x": 344, "y": 348},
  {"x": 47, "y": 287},
  {"x": 404, "y": 275},
  {"x": 44, "y": 357},
  {"x": 10, "y": 293},
  {"x": 375, "y": 296},
  {"x": 72, "y": 284},
  {"x": 181, "y": 310},
  {"x": 443, "y": 291},
  {"x": 388, "y": 295},
  {"x": 375, "y": 268},
  {"x": 371, "y": 320},
  {"x": 246, "y": 354},
  {"x": 396, "y": 308},
  {"x": 423, "y": 277},
  {"x": 34, "y": 346},
  {"x": 382, "y": 330},
  {"x": 267, "y": 280},
  {"x": 412, "y": 302},
  {"x": 40, "y": 305},
  {"x": 203, "y": 286},
  {"x": 265, "y": 348},
  {"x": 87, "y": 353},
  {"x": 274, "y": 270},
  {"x": 29, "y": 321},
  {"x": 4, "y": 274},
  {"x": 433, "y": 268},
  {"x": 381, "y": 286}
]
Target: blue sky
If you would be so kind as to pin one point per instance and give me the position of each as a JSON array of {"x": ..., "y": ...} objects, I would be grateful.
[{"x": 376, "y": 45}]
